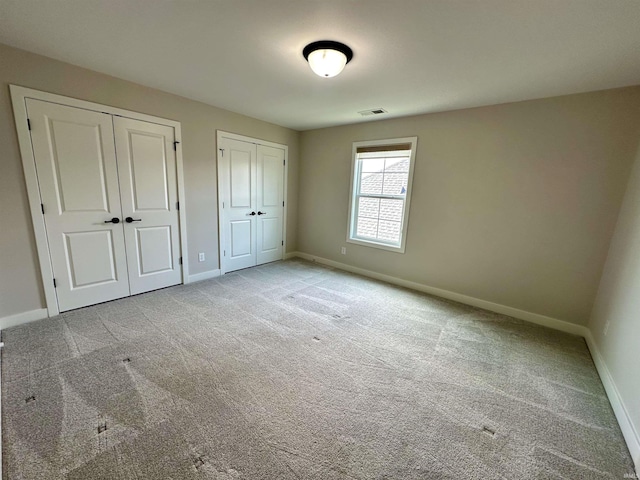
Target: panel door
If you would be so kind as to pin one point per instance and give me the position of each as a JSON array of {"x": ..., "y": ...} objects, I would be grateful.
[
  {"x": 237, "y": 170},
  {"x": 270, "y": 199},
  {"x": 149, "y": 192},
  {"x": 76, "y": 165}
]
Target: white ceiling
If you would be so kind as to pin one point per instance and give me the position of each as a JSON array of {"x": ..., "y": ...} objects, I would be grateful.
[{"x": 410, "y": 56}]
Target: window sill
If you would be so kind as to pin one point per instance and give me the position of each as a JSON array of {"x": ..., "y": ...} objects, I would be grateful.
[{"x": 380, "y": 246}]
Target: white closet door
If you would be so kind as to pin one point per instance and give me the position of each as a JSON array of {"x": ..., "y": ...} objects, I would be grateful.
[
  {"x": 148, "y": 186},
  {"x": 77, "y": 172},
  {"x": 270, "y": 197},
  {"x": 237, "y": 170}
]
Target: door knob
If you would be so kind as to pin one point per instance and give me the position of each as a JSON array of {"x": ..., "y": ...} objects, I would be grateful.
[
  {"x": 131, "y": 220},
  {"x": 252, "y": 213},
  {"x": 113, "y": 220},
  {"x": 262, "y": 213}
]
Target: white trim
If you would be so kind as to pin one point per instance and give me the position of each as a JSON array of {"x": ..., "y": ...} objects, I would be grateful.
[
  {"x": 182, "y": 211},
  {"x": 24, "y": 92},
  {"x": 285, "y": 194},
  {"x": 198, "y": 277},
  {"x": 631, "y": 436},
  {"x": 407, "y": 200},
  {"x": 290, "y": 255},
  {"x": 621, "y": 412},
  {"x": 244, "y": 138},
  {"x": 18, "y": 99},
  {"x": 220, "y": 134},
  {"x": 536, "y": 318},
  {"x": 24, "y": 317}
]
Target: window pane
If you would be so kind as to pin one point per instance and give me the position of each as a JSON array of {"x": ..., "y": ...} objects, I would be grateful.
[
  {"x": 391, "y": 209},
  {"x": 389, "y": 231},
  {"x": 371, "y": 183},
  {"x": 369, "y": 207},
  {"x": 372, "y": 164},
  {"x": 379, "y": 192},
  {"x": 395, "y": 183},
  {"x": 397, "y": 165},
  {"x": 367, "y": 227}
]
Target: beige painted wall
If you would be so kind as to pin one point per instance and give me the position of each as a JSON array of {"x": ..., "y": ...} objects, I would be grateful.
[
  {"x": 514, "y": 203},
  {"x": 618, "y": 302},
  {"x": 20, "y": 285}
]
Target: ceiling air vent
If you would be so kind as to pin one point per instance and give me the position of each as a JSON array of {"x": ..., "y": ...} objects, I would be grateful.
[{"x": 373, "y": 111}]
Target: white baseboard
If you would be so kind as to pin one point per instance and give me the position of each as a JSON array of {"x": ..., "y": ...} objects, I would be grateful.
[
  {"x": 33, "y": 315},
  {"x": 198, "y": 277},
  {"x": 628, "y": 430},
  {"x": 289, "y": 255},
  {"x": 24, "y": 317},
  {"x": 536, "y": 318},
  {"x": 622, "y": 414}
]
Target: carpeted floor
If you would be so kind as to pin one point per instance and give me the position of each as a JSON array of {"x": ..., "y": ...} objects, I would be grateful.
[{"x": 295, "y": 371}]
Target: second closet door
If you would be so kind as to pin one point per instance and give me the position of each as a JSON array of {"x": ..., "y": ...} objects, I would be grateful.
[
  {"x": 251, "y": 182},
  {"x": 149, "y": 196}
]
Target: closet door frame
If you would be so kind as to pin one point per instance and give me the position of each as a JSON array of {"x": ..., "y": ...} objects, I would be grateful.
[
  {"x": 19, "y": 96},
  {"x": 220, "y": 134}
]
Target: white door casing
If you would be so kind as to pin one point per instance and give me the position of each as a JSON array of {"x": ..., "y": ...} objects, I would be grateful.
[
  {"x": 77, "y": 173},
  {"x": 251, "y": 188},
  {"x": 147, "y": 173},
  {"x": 270, "y": 200}
]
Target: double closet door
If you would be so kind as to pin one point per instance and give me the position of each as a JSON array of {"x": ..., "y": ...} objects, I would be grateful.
[
  {"x": 109, "y": 199},
  {"x": 251, "y": 189}
]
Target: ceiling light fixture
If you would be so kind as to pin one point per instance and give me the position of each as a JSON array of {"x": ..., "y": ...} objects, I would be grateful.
[{"x": 327, "y": 58}]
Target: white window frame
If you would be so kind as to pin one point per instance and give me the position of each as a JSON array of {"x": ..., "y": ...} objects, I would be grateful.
[{"x": 353, "y": 204}]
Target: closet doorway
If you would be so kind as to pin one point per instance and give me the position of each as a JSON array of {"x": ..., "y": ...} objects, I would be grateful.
[
  {"x": 105, "y": 188},
  {"x": 251, "y": 201}
]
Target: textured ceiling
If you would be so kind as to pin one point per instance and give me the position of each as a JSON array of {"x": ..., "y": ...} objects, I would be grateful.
[{"x": 410, "y": 57}]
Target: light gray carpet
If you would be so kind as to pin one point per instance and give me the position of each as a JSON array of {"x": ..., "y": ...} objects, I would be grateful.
[{"x": 295, "y": 371}]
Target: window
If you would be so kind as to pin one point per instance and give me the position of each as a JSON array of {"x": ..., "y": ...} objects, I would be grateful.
[{"x": 380, "y": 192}]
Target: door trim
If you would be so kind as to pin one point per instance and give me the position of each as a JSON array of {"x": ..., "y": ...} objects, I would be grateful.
[
  {"x": 18, "y": 99},
  {"x": 220, "y": 134}
]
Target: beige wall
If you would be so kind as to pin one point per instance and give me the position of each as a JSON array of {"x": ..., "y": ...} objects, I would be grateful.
[
  {"x": 618, "y": 302},
  {"x": 514, "y": 203},
  {"x": 20, "y": 285}
]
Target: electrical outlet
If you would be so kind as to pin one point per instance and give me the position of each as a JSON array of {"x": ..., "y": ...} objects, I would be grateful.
[
  {"x": 343, "y": 250},
  {"x": 606, "y": 326},
  {"x": 201, "y": 257}
]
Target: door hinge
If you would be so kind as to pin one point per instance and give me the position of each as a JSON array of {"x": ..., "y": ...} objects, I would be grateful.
[
  {"x": 180, "y": 260},
  {"x": 222, "y": 204},
  {"x": 42, "y": 208},
  {"x": 224, "y": 253},
  {"x": 284, "y": 162},
  {"x": 54, "y": 283},
  {"x": 175, "y": 146},
  {"x": 283, "y": 243},
  {"x": 177, "y": 205},
  {"x": 221, "y": 152},
  {"x": 29, "y": 123}
]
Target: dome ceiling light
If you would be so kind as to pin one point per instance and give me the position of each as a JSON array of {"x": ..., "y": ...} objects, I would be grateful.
[{"x": 327, "y": 58}]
